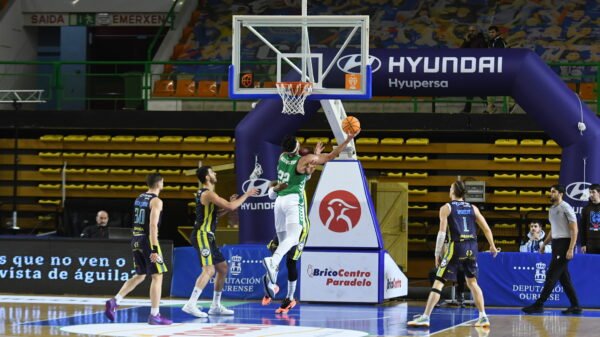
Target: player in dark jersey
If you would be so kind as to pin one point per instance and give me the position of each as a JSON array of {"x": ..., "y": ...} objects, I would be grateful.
[
  {"x": 209, "y": 205},
  {"x": 460, "y": 219},
  {"x": 147, "y": 255}
]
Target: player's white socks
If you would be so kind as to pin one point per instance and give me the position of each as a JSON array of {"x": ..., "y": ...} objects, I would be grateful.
[
  {"x": 118, "y": 298},
  {"x": 482, "y": 314},
  {"x": 216, "y": 298},
  {"x": 291, "y": 289},
  {"x": 194, "y": 297},
  {"x": 154, "y": 311}
]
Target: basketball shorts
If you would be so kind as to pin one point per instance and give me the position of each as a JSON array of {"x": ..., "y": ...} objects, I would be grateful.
[
  {"x": 459, "y": 255},
  {"x": 289, "y": 210},
  {"x": 206, "y": 246},
  {"x": 140, "y": 246}
]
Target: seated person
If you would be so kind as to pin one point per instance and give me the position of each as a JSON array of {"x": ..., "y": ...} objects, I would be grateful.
[
  {"x": 536, "y": 235},
  {"x": 99, "y": 230}
]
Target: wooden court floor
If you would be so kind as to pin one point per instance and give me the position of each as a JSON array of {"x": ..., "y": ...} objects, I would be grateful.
[{"x": 83, "y": 316}]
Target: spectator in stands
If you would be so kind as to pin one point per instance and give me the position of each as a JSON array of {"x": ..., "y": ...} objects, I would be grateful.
[
  {"x": 590, "y": 223},
  {"x": 473, "y": 39},
  {"x": 533, "y": 240},
  {"x": 99, "y": 230},
  {"x": 496, "y": 41}
]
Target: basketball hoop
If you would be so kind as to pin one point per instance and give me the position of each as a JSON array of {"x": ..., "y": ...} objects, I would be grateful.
[{"x": 293, "y": 95}]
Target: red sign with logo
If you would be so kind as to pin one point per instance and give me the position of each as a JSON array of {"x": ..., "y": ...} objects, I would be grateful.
[{"x": 340, "y": 211}]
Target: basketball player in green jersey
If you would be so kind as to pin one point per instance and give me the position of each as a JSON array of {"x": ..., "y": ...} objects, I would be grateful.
[{"x": 290, "y": 205}]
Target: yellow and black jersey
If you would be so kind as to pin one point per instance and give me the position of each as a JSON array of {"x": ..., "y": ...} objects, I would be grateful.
[
  {"x": 206, "y": 216},
  {"x": 141, "y": 214}
]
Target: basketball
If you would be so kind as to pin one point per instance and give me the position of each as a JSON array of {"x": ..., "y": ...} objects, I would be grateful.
[{"x": 350, "y": 125}]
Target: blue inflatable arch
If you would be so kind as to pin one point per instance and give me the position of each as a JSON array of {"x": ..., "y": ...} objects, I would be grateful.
[{"x": 433, "y": 72}]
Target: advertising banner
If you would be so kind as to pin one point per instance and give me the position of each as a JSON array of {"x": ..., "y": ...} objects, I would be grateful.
[
  {"x": 63, "y": 266},
  {"x": 342, "y": 214},
  {"x": 395, "y": 282},
  {"x": 341, "y": 276},
  {"x": 516, "y": 279},
  {"x": 244, "y": 279}
]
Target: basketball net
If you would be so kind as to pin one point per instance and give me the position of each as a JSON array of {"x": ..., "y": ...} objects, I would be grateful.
[{"x": 293, "y": 95}]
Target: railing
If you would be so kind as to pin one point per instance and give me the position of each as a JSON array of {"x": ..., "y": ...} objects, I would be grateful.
[{"x": 129, "y": 85}]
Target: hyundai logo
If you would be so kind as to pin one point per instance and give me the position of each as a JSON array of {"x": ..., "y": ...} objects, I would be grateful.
[
  {"x": 578, "y": 191},
  {"x": 262, "y": 185},
  {"x": 350, "y": 64}
]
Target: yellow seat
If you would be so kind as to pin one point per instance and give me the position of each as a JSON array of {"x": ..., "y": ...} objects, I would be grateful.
[
  {"x": 172, "y": 188},
  {"x": 551, "y": 176},
  {"x": 416, "y": 240},
  {"x": 96, "y": 155},
  {"x": 531, "y": 208},
  {"x": 146, "y": 139},
  {"x": 54, "y": 202},
  {"x": 552, "y": 160},
  {"x": 417, "y": 207},
  {"x": 530, "y": 193},
  {"x": 49, "y": 170},
  {"x": 189, "y": 188},
  {"x": 216, "y": 156},
  {"x": 99, "y": 139},
  {"x": 367, "y": 158},
  {"x": 392, "y": 141},
  {"x": 530, "y": 160},
  {"x": 49, "y": 154},
  {"x": 144, "y": 155},
  {"x": 530, "y": 176},
  {"x": 551, "y": 142},
  {"x": 194, "y": 139},
  {"x": 505, "y": 208},
  {"x": 169, "y": 172},
  {"x": 416, "y": 158},
  {"x": 74, "y": 186},
  {"x": 505, "y": 159},
  {"x": 96, "y": 171},
  {"x": 121, "y": 171},
  {"x": 505, "y": 175},
  {"x": 505, "y": 192},
  {"x": 300, "y": 140},
  {"x": 45, "y": 217},
  {"x": 391, "y": 158},
  {"x": 75, "y": 138},
  {"x": 140, "y": 187},
  {"x": 416, "y": 174},
  {"x": 417, "y": 141},
  {"x": 532, "y": 142},
  {"x": 315, "y": 140},
  {"x": 169, "y": 155},
  {"x": 219, "y": 140},
  {"x": 73, "y": 154},
  {"x": 193, "y": 156},
  {"x": 51, "y": 138},
  {"x": 395, "y": 174},
  {"x": 367, "y": 141},
  {"x": 506, "y": 142},
  {"x": 144, "y": 171},
  {"x": 75, "y": 170},
  {"x": 170, "y": 139},
  {"x": 417, "y": 224},
  {"x": 191, "y": 204},
  {"x": 120, "y": 187},
  {"x": 96, "y": 187},
  {"x": 120, "y": 155},
  {"x": 505, "y": 226},
  {"x": 49, "y": 186},
  {"x": 504, "y": 242},
  {"x": 333, "y": 141},
  {"x": 122, "y": 139},
  {"x": 417, "y": 191}
]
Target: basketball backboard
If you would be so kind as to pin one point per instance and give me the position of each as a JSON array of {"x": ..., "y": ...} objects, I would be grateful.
[{"x": 268, "y": 49}]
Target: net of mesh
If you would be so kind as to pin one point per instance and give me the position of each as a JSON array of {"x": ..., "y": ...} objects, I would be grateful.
[{"x": 293, "y": 95}]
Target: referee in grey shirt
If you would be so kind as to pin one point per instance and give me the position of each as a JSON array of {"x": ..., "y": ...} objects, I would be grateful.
[{"x": 564, "y": 236}]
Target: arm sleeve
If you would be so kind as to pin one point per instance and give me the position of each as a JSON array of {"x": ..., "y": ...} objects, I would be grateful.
[{"x": 272, "y": 194}]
